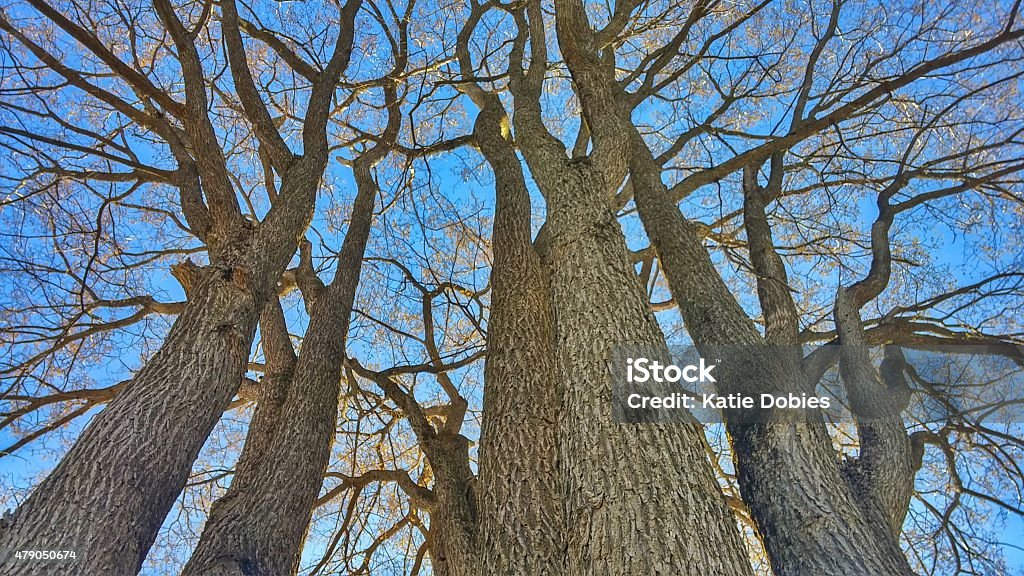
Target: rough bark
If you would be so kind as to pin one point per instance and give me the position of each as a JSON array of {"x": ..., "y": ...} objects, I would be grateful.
[
  {"x": 258, "y": 527},
  {"x": 781, "y": 320},
  {"x": 273, "y": 390},
  {"x": 108, "y": 496},
  {"x": 127, "y": 467},
  {"x": 520, "y": 512},
  {"x": 637, "y": 499},
  {"x": 882, "y": 475},
  {"x": 453, "y": 515},
  {"x": 788, "y": 471}
]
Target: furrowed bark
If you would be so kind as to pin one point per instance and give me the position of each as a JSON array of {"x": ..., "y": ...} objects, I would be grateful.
[
  {"x": 280, "y": 369},
  {"x": 520, "y": 511},
  {"x": 108, "y": 496},
  {"x": 776, "y": 301},
  {"x": 520, "y": 518},
  {"x": 258, "y": 527},
  {"x": 788, "y": 471},
  {"x": 452, "y": 500},
  {"x": 882, "y": 475},
  {"x": 638, "y": 499},
  {"x": 453, "y": 515},
  {"x": 280, "y": 366},
  {"x": 781, "y": 320}
]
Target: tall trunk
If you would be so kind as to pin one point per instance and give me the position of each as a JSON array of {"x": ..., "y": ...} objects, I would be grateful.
[
  {"x": 108, "y": 497},
  {"x": 788, "y": 472},
  {"x": 882, "y": 475},
  {"x": 280, "y": 369},
  {"x": 453, "y": 515},
  {"x": 639, "y": 499},
  {"x": 520, "y": 513},
  {"x": 258, "y": 527}
]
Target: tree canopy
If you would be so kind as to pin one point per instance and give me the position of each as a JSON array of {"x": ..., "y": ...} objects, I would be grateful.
[{"x": 220, "y": 217}]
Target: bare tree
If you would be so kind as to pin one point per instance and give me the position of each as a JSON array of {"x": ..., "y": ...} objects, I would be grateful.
[
  {"x": 824, "y": 195},
  {"x": 111, "y": 491}
]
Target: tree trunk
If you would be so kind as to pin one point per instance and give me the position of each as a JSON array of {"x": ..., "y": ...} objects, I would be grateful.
[
  {"x": 280, "y": 369},
  {"x": 258, "y": 527},
  {"x": 520, "y": 512},
  {"x": 788, "y": 472},
  {"x": 453, "y": 516},
  {"x": 639, "y": 499},
  {"x": 882, "y": 475},
  {"x": 109, "y": 495}
]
